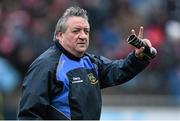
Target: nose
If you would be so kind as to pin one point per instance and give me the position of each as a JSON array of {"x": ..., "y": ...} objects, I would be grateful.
[{"x": 83, "y": 35}]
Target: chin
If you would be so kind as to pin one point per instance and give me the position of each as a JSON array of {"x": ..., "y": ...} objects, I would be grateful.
[{"x": 82, "y": 50}]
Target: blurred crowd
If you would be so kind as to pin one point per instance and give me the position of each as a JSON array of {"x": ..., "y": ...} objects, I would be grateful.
[{"x": 27, "y": 26}]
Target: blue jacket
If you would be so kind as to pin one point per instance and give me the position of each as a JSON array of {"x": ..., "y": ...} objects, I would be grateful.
[{"x": 59, "y": 85}]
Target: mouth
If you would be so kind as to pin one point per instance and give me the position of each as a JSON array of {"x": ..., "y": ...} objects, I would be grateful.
[{"x": 81, "y": 43}]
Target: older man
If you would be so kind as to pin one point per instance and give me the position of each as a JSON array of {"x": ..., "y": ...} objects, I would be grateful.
[{"x": 65, "y": 82}]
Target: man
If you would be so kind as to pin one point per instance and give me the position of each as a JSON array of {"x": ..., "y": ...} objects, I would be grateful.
[{"x": 65, "y": 82}]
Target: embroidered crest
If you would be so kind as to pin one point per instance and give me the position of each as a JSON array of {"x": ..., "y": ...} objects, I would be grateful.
[{"x": 92, "y": 79}]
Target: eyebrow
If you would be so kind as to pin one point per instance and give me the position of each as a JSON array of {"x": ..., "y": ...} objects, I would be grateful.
[
  {"x": 81, "y": 27},
  {"x": 86, "y": 28}
]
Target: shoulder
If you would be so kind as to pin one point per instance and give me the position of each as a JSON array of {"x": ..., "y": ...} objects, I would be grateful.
[
  {"x": 91, "y": 57},
  {"x": 46, "y": 60},
  {"x": 98, "y": 59}
]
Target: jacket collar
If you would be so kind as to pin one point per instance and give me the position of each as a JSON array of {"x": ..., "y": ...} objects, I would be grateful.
[{"x": 68, "y": 54}]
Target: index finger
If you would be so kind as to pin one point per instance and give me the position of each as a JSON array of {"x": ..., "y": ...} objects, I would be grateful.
[
  {"x": 148, "y": 43},
  {"x": 141, "y": 30},
  {"x": 133, "y": 32}
]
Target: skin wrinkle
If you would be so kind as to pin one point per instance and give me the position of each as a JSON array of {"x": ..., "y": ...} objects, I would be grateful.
[{"x": 76, "y": 37}]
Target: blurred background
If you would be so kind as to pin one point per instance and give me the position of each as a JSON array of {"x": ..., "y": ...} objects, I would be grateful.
[{"x": 26, "y": 30}]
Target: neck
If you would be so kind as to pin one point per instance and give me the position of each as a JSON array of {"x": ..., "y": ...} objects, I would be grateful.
[{"x": 74, "y": 56}]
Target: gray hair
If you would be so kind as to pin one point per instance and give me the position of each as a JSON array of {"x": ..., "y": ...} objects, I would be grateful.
[{"x": 72, "y": 11}]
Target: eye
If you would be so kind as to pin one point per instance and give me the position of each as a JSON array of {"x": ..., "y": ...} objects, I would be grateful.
[
  {"x": 76, "y": 30},
  {"x": 86, "y": 31}
]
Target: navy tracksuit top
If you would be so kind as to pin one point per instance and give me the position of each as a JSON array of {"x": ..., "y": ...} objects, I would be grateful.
[{"x": 59, "y": 85}]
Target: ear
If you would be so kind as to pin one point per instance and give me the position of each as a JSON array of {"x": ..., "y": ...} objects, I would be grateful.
[{"x": 59, "y": 36}]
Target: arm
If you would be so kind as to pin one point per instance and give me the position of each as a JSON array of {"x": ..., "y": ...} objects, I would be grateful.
[
  {"x": 35, "y": 100},
  {"x": 116, "y": 72},
  {"x": 39, "y": 87}
]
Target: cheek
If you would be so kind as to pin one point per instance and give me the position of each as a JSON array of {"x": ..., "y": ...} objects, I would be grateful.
[
  {"x": 70, "y": 40},
  {"x": 88, "y": 42}
]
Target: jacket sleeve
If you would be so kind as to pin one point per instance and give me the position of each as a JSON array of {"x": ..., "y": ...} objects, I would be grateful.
[
  {"x": 34, "y": 100},
  {"x": 116, "y": 72},
  {"x": 39, "y": 86}
]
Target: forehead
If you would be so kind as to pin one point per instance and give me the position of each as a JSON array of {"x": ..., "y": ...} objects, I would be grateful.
[{"x": 76, "y": 21}]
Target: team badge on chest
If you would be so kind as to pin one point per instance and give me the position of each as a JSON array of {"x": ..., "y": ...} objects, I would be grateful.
[{"x": 92, "y": 79}]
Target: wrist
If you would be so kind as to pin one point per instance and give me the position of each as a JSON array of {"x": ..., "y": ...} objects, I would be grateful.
[{"x": 141, "y": 56}]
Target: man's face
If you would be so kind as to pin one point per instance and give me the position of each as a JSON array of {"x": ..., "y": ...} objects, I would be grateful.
[{"x": 76, "y": 38}]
